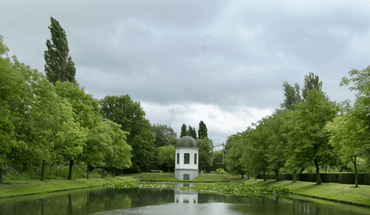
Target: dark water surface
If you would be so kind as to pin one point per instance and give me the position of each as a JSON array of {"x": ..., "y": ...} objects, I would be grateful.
[{"x": 110, "y": 201}]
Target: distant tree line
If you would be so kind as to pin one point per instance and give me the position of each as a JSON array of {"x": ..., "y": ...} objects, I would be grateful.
[{"x": 308, "y": 130}]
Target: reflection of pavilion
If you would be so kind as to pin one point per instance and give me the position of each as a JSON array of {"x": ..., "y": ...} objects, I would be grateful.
[{"x": 184, "y": 196}]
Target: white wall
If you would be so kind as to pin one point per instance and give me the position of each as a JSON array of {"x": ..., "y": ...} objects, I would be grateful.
[{"x": 192, "y": 152}]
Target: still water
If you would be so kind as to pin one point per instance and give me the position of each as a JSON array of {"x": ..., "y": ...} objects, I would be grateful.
[{"x": 110, "y": 201}]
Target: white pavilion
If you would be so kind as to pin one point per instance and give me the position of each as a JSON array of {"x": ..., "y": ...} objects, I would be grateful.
[{"x": 186, "y": 158}]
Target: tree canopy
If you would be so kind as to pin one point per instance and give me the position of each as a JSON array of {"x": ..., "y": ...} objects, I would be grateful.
[
  {"x": 163, "y": 135},
  {"x": 202, "y": 130},
  {"x": 129, "y": 114},
  {"x": 59, "y": 65}
]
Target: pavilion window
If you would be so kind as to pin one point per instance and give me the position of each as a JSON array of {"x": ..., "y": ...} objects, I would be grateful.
[{"x": 186, "y": 158}]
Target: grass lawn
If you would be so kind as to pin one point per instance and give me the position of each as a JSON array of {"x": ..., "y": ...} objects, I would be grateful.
[
  {"x": 333, "y": 191},
  {"x": 14, "y": 188}
]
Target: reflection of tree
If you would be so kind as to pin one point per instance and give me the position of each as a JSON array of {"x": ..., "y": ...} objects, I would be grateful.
[
  {"x": 97, "y": 200},
  {"x": 70, "y": 203},
  {"x": 42, "y": 207}
]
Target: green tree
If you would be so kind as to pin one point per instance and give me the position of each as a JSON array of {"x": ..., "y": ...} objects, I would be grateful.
[
  {"x": 163, "y": 134},
  {"x": 256, "y": 153},
  {"x": 127, "y": 113},
  {"x": 277, "y": 140},
  {"x": 360, "y": 82},
  {"x": 86, "y": 114},
  {"x": 183, "y": 130},
  {"x": 98, "y": 146},
  {"x": 311, "y": 140},
  {"x": 205, "y": 153},
  {"x": 191, "y": 132},
  {"x": 120, "y": 155},
  {"x": 218, "y": 157},
  {"x": 173, "y": 141},
  {"x": 349, "y": 137},
  {"x": 167, "y": 156},
  {"x": 59, "y": 65},
  {"x": 311, "y": 81},
  {"x": 202, "y": 130},
  {"x": 8, "y": 92},
  {"x": 233, "y": 158},
  {"x": 29, "y": 112},
  {"x": 292, "y": 96}
]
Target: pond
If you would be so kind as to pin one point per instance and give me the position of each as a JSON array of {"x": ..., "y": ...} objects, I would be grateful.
[{"x": 111, "y": 201}]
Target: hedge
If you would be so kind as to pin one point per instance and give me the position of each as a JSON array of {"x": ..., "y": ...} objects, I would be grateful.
[{"x": 342, "y": 178}]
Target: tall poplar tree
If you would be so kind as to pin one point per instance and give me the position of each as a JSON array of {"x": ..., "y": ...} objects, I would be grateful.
[
  {"x": 59, "y": 65},
  {"x": 183, "y": 130},
  {"x": 311, "y": 81},
  {"x": 202, "y": 131}
]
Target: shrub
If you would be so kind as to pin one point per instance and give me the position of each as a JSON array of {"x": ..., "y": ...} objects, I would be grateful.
[{"x": 221, "y": 171}]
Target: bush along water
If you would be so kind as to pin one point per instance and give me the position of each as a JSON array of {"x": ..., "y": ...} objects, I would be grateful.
[{"x": 238, "y": 189}]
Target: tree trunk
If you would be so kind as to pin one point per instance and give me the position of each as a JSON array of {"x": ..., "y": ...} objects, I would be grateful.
[
  {"x": 356, "y": 176},
  {"x": 42, "y": 170},
  {"x": 88, "y": 171},
  {"x": 114, "y": 172},
  {"x": 70, "y": 170},
  {"x": 294, "y": 177},
  {"x": 102, "y": 173},
  {"x": 277, "y": 175},
  {"x": 264, "y": 176},
  {"x": 318, "y": 178},
  {"x": 1, "y": 176}
]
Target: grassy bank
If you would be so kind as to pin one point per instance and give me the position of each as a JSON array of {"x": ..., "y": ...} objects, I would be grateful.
[
  {"x": 13, "y": 188},
  {"x": 344, "y": 193}
]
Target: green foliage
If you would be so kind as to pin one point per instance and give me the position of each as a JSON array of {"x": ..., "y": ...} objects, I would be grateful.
[
  {"x": 59, "y": 65},
  {"x": 218, "y": 157},
  {"x": 309, "y": 140},
  {"x": 191, "y": 132},
  {"x": 205, "y": 152},
  {"x": 233, "y": 158},
  {"x": 183, "y": 130},
  {"x": 292, "y": 96},
  {"x": 127, "y": 113},
  {"x": 167, "y": 156},
  {"x": 202, "y": 130},
  {"x": 221, "y": 171},
  {"x": 360, "y": 80},
  {"x": 42, "y": 124},
  {"x": 163, "y": 135},
  {"x": 311, "y": 82}
]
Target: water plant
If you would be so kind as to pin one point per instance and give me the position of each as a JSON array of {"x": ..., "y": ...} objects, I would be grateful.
[
  {"x": 128, "y": 185},
  {"x": 238, "y": 189}
]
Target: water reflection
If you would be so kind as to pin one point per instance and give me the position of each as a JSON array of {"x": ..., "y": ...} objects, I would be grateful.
[
  {"x": 184, "y": 196},
  {"x": 155, "y": 201}
]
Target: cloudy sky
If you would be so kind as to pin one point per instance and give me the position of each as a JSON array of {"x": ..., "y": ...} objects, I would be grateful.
[{"x": 223, "y": 62}]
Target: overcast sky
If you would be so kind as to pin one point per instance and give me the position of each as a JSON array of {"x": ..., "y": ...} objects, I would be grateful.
[{"x": 222, "y": 62}]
